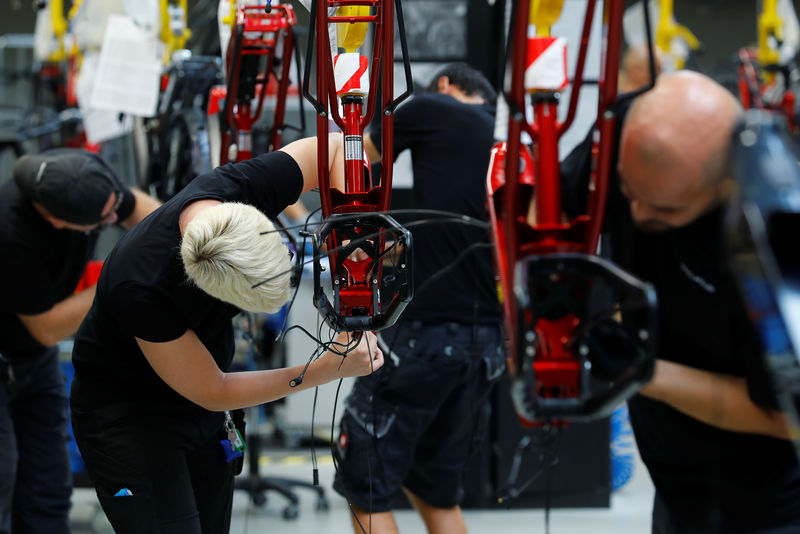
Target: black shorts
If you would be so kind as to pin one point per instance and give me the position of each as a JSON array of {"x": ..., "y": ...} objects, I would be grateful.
[{"x": 415, "y": 422}]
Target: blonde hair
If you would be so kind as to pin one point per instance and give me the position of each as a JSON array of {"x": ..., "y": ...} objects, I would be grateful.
[{"x": 229, "y": 248}]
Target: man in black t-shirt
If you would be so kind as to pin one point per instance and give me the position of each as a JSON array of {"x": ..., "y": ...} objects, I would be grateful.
[
  {"x": 50, "y": 217},
  {"x": 707, "y": 426},
  {"x": 153, "y": 354},
  {"x": 412, "y": 426}
]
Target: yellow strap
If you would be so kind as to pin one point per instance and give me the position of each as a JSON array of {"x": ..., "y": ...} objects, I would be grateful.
[
  {"x": 172, "y": 41},
  {"x": 350, "y": 36},
  {"x": 769, "y": 25},
  {"x": 59, "y": 29},
  {"x": 545, "y": 13},
  {"x": 667, "y": 30},
  {"x": 230, "y": 18}
]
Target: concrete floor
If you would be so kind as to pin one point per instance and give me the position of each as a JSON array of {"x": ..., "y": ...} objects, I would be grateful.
[{"x": 629, "y": 512}]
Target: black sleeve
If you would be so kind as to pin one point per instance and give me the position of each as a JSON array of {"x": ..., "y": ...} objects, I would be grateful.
[
  {"x": 27, "y": 287},
  {"x": 271, "y": 181},
  {"x": 575, "y": 171},
  {"x": 145, "y": 314},
  {"x": 409, "y": 125}
]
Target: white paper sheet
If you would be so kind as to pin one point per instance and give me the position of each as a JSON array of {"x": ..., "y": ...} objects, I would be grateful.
[
  {"x": 129, "y": 70},
  {"x": 100, "y": 125}
]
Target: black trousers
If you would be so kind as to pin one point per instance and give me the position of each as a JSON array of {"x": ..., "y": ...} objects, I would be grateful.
[
  {"x": 35, "y": 476},
  {"x": 173, "y": 466}
]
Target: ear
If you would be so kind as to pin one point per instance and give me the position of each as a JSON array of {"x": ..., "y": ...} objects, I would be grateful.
[
  {"x": 57, "y": 223},
  {"x": 443, "y": 84}
]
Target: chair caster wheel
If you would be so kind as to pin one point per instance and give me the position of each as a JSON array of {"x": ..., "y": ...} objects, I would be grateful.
[
  {"x": 291, "y": 511},
  {"x": 322, "y": 504}
]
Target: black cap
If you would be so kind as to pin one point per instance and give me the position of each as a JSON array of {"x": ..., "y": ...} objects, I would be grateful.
[{"x": 72, "y": 184}]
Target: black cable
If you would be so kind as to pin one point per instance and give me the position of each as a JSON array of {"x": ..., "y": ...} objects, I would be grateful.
[
  {"x": 466, "y": 219},
  {"x": 362, "y": 239},
  {"x": 314, "y": 468}
]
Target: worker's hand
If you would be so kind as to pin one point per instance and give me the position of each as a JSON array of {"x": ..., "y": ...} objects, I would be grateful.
[
  {"x": 362, "y": 355},
  {"x": 612, "y": 350}
]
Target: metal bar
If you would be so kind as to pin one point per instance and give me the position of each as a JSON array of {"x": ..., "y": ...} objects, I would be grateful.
[
  {"x": 578, "y": 80},
  {"x": 387, "y": 120},
  {"x": 548, "y": 189}
]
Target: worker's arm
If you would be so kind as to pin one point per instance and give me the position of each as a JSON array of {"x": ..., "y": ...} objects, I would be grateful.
[
  {"x": 373, "y": 153},
  {"x": 304, "y": 152},
  {"x": 187, "y": 367},
  {"x": 715, "y": 399},
  {"x": 144, "y": 206},
  {"x": 60, "y": 321}
]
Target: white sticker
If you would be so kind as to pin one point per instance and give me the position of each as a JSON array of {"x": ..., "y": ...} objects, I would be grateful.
[{"x": 353, "y": 147}]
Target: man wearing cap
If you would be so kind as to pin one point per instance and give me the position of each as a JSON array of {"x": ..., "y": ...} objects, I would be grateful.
[{"x": 51, "y": 215}]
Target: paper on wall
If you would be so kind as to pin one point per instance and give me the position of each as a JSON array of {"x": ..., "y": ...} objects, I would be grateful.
[
  {"x": 89, "y": 23},
  {"x": 129, "y": 70},
  {"x": 145, "y": 14},
  {"x": 99, "y": 125}
]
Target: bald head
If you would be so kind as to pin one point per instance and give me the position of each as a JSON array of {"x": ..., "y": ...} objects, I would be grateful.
[{"x": 674, "y": 149}]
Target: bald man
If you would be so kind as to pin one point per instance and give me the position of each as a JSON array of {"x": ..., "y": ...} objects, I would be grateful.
[{"x": 707, "y": 426}]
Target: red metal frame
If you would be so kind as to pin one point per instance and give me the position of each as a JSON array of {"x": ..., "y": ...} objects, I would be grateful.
[
  {"x": 357, "y": 278},
  {"x": 358, "y": 196},
  {"x": 239, "y": 116},
  {"x": 752, "y": 89},
  {"x": 515, "y": 170}
]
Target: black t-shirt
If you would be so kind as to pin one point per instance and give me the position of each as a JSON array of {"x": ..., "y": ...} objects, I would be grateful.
[
  {"x": 450, "y": 145},
  {"x": 144, "y": 292},
  {"x": 711, "y": 479},
  {"x": 41, "y": 265}
]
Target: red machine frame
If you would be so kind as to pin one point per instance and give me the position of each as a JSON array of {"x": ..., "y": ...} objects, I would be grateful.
[
  {"x": 550, "y": 379},
  {"x": 274, "y": 23},
  {"x": 353, "y": 218},
  {"x": 751, "y": 88}
]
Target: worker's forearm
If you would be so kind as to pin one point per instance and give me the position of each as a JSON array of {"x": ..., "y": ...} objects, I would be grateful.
[
  {"x": 62, "y": 320},
  {"x": 715, "y": 399},
  {"x": 239, "y": 390}
]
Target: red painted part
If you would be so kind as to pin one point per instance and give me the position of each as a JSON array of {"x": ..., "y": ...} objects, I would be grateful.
[
  {"x": 215, "y": 96},
  {"x": 281, "y": 90},
  {"x": 359, "y": 193},
  {"x": 354, "y": 150},
  {"x": 90, "y": 275},
  {"x": 512, "y": 209},
  {"x": 239, "y": 115},
  {"x": 788, "y": 109},
  {"x": 577, "y": 79},
  {"x": 72, "y": 80},
  {"x": 92, "y": 147},
  {"x": 494, "y": 182},
  {"x": 548, "y": 187},
  {"x": 356, "y": 291},
  {"x": 749, "y": 87},
  {"x": 255, "y": 19},
  {"x": 557, "y": 371}
]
